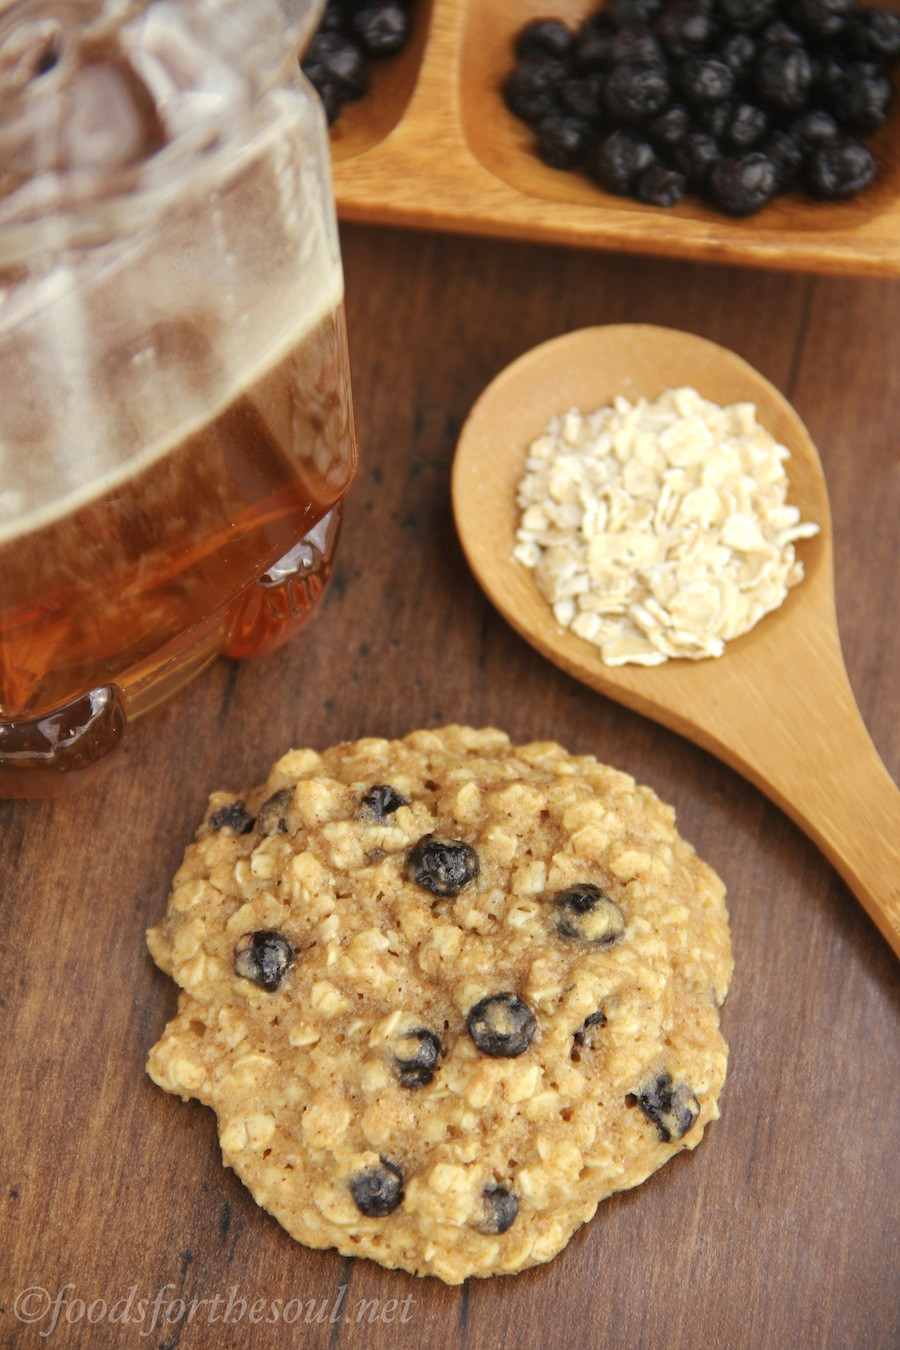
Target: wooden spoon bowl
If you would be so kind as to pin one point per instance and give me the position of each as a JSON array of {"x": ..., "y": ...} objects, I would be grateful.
[{"x": 777, "y": 706}]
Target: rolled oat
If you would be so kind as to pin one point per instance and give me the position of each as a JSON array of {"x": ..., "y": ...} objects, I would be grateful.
[{"x": 661, "y": 529}]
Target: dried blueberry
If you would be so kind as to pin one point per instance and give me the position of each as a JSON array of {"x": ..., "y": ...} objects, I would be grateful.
[
  {"x": 672, "y": 1107},
  {"x": 585, "y": 913},
  {"x": 742, "y": 184},
  {"x": 501, "y": 1026},
  {"x": 594, "y": 49},
  {"x": 739, "y": 52},
  {"x": 670, "y": 127},
  {"x": 706, "y": 79},
  {"x": 382, "y": 800},
  {"x": 443, "y": 867},
  {"x": 839, "y": 168},
  {"x": 272, "y": 813},
  {"x": 530, "y": 90},
  {"x": 746, "y": 16},
  {"x": 563, "y": 140},
  {"x": 695, "y": 157},
  {"x": 822, "y": 18},
  {"x": 378, "y": 1190},
  {"x": 782, "y": 33},
  {"x": 860, "y": 101},
  {"x": 625, "y": 13},
  {"x": 813, "y": 128},
  {"x": 416, "y": 1056},
  {"x": 660, "y": 186},
  {"x": 234, "y": 816},
  {"x": 745, "y": 127},
  {"x": 618, "y": 160},
  {"x": 787, "y": 159},
  {"x": 500, "y": 1210},
  {"x": 683, "y": 29},
  {"x": 583, "y": 96},
  {"x": 636, "y": 42},
  {"x": 333, "y": 20},
  {"x": 549, "y": 37},
  {"x": 873, "y": 34},
  {"x": 635, "y": 90},
  {"x": 382, "y": 29},
  {"x": 783, "y": 77},
  {"x": 264, "y": 957},
  {"x": 829, "y": 73},
  {"x": 330, "y": 97},
  {"x": 584, "y": 1034},
  {"x": 335, "y": 59},
  {"x": 715, "y": 118},
  {"x": 600, "y": 21}
]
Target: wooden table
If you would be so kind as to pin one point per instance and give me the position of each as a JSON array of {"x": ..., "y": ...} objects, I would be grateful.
[{"x": 781, "y": 1230}]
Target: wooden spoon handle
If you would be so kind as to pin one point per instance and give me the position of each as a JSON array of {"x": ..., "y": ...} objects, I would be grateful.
[
  {"x": 810, "y": 752},
  {"x": 858, "y": 831},
  {"x": 850, "y": 807}
]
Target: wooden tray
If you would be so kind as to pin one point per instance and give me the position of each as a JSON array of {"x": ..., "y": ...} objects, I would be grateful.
[{"x": 432, "y": 145}]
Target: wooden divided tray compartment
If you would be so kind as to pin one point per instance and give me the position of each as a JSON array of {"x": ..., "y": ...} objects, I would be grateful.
[{"x": 432, "y": 145}]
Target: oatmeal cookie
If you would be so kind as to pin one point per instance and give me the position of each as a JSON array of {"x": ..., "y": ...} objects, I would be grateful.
[{"x": 444, "y": 994}]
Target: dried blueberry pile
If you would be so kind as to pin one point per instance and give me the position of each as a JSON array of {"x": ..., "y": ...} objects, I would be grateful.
[
  {"x": 734, "y": 101},
  {"x": 352, "y": 34}
]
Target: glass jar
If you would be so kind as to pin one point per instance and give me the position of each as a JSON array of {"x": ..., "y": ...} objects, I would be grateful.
[{"x": 176, "y": 431}]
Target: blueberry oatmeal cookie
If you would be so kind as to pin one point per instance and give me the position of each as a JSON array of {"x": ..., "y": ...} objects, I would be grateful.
[{"x": 444, "y": 994}]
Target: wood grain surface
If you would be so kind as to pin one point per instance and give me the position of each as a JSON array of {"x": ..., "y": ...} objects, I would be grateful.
[{"x": 781, "y": 1229}]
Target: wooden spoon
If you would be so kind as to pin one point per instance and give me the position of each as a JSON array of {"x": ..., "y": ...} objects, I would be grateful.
[{"x": 777, "y": 706}]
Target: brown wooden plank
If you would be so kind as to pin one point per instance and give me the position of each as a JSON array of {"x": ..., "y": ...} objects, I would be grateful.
[{"x": 781, "y": 1228}]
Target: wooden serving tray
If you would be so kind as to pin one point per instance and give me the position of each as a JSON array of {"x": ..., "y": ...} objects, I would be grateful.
[{"x": 433, "y": 145}]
